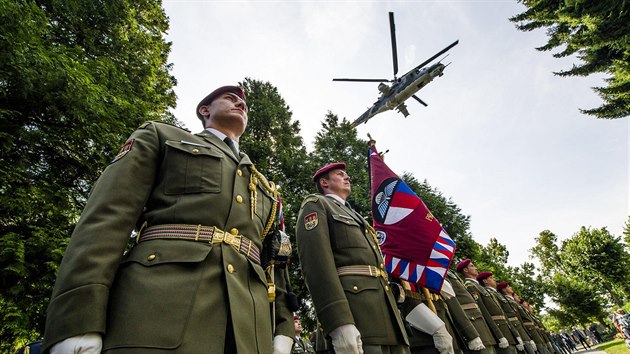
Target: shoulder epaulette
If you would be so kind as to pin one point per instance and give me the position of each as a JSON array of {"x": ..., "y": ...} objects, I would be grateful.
[
  {"x": 310, "y": 199},
  {"x": 165, "y": 123}
]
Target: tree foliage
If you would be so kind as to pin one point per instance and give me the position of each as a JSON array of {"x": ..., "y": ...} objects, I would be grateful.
[
  {"x": 76, "y": 77},
  {"x": 598, "y": 33}
]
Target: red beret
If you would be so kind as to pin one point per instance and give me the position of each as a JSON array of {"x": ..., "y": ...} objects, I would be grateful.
[
  {"x": 502, "y": 285},
  {"x": 216, "y": 93},
  {"x": 296, "y": 317},
  {"x": 463, "y": 264},
  {"x": 332, "y": 166},
  {"x": 483, "y": 275}
]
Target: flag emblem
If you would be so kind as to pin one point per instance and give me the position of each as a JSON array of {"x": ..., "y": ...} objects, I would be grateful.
[{"x": 310, "y": 221}]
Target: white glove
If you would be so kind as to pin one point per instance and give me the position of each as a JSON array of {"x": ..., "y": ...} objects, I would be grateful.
[
  {"x": 89, "y": 343},
  {"x": 447, "y": 290},
  {"x": 476, "y": 344},
  {"x": 346, "y": 339},
  {"x": 503, "y": 343},
  {"x": 282, "y": 344},
  {"x": 443, "y": 341},
  {"x": 519, "y": 345},
  {"x": 424, "y": 320},
  {"x": 531, "y": 345}
]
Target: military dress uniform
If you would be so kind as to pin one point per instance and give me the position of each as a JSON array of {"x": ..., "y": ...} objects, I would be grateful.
[
  {"x": 511, "y": 316},
  {"x": 196, "y": 272},
  {"x": 464, "y": 330},
  {"x": 495, "y": 318},
  {"x": 344, "y": 272},
  {"x": 474, "y": 314},
  {"x": 530, "y": 327},
  {"x": 421, "y": 342}
]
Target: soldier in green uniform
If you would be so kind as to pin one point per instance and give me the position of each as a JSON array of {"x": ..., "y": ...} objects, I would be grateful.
[
  {"x": 199, "y": 271},
  {"x": 492, "y": 313},
  {"x": 300, "y": 344},
  {"x": 494, "y": 307},
  {"x": 509, "y": 307},
  {"x": 517, "y": 329},
  {"x": 344, "y": 271},
  {"x": 465, "y": 332},
  {"x": 473, "y": 313}
]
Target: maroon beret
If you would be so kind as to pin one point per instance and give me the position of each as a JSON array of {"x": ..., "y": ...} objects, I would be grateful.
[
  {"x": 463, "y": 264},
  {"x": 331, "y": 166},
  {"x": 295, "y": 317},
  {"x": 502, "y": 285},
  {"x": 216, "y": 93},
  {"x": 483, "y": 275}
]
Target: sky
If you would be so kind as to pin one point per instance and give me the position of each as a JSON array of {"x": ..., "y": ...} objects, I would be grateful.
[{"x": 502, "y": 136}]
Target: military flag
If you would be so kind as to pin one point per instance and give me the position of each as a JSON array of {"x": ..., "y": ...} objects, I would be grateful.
[{"x": 415, "y": 246}]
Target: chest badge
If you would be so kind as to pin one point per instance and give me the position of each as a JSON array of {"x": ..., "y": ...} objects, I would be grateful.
[{"x": 311, "y": 221}]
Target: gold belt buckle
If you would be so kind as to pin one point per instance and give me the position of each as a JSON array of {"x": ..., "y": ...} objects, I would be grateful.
[
  {"x": 218, "y": 235},
  {"x": 234, "y": 241}
]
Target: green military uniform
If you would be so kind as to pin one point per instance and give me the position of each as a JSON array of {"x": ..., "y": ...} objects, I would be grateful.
[
  {"x": 530, "y": 327},
  {"x": 512, "y": 316},
  {"x": 344, "y": 272},
  {"x": 171, "y": 295},
  {"x": 420, "y": 342},
  {"x": 301, "y": 345},
  {"x": 463, "y": 329},
  {"x": 495, "y": 318},
  {"x": 473, "y": 313}
]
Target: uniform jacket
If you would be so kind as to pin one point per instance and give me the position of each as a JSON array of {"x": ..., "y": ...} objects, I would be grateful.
[
  {"x": 464, "y": 330},
  {"x": 510, "y": 314},
  {"x": 488, "y": 308},
  {"x": 494, "y": 307},
  {"x": 166, "y": 294},
  {"x": 514, "y": 313},
  {"x": 330, "y": 235},
  {"x": 474, "y": 314},
  {"x": 420, "y": 341}
]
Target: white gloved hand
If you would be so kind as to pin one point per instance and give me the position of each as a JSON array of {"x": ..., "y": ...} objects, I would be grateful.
[
  {"x": 282, "y": 344},
  {"x": 503, "y": 343},
  {"x": 519, "y": 345},
  {"x": 447, "y": 290},
  {"x": 346, "y": 339},
  {"x": 443, "y": 341},
  {"x": 476, "y": 344},
  {"x": 89, "y": 343},
  {"x": 531, "y": 345}
]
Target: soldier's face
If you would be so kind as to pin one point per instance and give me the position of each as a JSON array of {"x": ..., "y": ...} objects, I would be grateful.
[
  {"x": 227, "y": 113},
  {"x": 472, "y": 270},
  {"x": 297, "y": 324},
  {"x": 338, "y": 182},
  {"x": 490, "y": 281}
]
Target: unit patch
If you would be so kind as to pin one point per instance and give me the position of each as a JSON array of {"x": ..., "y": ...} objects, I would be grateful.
[
  {"x": 310, "y": 221},
  {"x": 381, "y": 236},
  {"x": 124, "y": 150}
]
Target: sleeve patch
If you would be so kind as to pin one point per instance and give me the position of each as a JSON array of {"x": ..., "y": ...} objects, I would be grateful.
[
  {"x": 124, "y": 150},
  {"x": 311, "y": 221}
]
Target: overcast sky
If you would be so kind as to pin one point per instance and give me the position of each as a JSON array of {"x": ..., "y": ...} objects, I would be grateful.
[{"x": 502, "y": 136}]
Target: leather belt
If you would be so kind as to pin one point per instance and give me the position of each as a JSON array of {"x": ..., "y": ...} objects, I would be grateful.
[
  {"x": 470, "y": 306},
  {"x": 498, "y": 317},
  {"x": 513, "y": 318},
  {"x": 528, "y": 323},
  {"x": 209, "y": 234},
  {"x": 367, "y": 270}
]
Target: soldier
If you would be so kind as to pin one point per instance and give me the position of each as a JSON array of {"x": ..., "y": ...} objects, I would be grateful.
[
  {"x": 517, "y": 327},
  {"x": 300, "y": 344},
  {"x": 344, "y": 271},
  {"x": 494, "y": 316},
  {"x": 530, "y": 325},
  {"x": 515, "y": 317},
  {"x": 473, "y": 312},
  {"x": 199, "y": 269}
]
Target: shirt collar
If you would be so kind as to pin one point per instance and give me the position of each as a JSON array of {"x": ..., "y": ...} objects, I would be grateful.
[
  {"x": 336, "y": 197},
  {"x": 222, "y": 136}
]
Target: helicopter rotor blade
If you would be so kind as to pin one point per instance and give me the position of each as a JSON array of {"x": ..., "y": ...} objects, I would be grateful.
[
  {"x": 419, "y": 100},
  {"x": 392, "y": 31},
  {"x": 436, "y": 55},
  {"x": 363, "y": 80}
]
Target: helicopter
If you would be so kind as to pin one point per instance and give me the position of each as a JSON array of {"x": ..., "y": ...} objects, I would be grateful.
[{"x": 394, "y": 96}]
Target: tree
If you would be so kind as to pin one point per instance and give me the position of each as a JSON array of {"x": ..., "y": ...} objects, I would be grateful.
[
  {"x": 76, "y": 77},
  {"x": 598, "y": 32},
  {"x": 626, "y": 232}
]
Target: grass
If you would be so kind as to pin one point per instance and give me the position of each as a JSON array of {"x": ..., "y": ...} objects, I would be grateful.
[{"x": 616, "y": 346}]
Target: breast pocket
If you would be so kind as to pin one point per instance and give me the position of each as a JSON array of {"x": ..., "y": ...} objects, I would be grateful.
[
  {"x": 192, "y": 168},
  {"x": 348, "y": 233}
]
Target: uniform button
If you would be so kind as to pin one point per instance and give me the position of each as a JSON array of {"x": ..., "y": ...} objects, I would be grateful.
[
  {"x": 387, "y": 287},
  {"x": 230, "y": 268},
  {"x": 355, "y": 288},
  {"x": 239, "y": 172},
  {"x": 239, "y": 199},
  {"x": 374, "y": 247},
  {"x": 151, "y": 257},
  {"x": 196, "y": 151},
  {"x": 382, "y": 266},
  {"x": 234, "y": 231}
]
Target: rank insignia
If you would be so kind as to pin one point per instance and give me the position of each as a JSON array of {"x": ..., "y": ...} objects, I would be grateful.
[
  {"x": 310, "y": 221},
  {"x": 124, "y": 150}
]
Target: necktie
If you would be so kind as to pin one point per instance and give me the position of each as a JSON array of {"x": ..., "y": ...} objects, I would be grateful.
[{"x": 230, "y": 144}]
